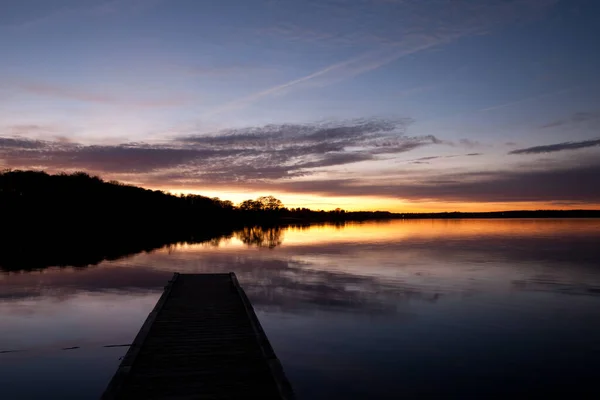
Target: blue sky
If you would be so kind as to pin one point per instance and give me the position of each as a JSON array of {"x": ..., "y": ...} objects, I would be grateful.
[{"x": 403, "y": 104}]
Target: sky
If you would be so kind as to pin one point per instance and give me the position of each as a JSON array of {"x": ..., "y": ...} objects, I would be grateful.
[{"x": 402, "y": 105}]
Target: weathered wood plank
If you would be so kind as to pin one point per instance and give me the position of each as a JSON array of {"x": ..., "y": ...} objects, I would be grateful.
[{"x": 202, "y": 340}]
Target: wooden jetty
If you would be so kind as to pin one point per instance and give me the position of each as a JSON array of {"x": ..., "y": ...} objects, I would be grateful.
[{"x": 202, "y": 340}]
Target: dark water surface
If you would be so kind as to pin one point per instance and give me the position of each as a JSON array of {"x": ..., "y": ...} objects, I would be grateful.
[{"x": 461, "y": 308}]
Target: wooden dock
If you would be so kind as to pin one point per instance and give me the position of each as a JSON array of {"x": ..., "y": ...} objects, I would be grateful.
[{"x": 201, "y": 341}]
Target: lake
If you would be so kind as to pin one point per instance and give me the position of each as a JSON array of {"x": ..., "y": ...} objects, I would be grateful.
[{"x": 445, "y": 308}]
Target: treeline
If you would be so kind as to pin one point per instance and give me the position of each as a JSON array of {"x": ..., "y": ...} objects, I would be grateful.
[
  {"x": 80, "y": 201},
  {"x": 45, "y": 214},
  {"x": 83, "y": 201}
]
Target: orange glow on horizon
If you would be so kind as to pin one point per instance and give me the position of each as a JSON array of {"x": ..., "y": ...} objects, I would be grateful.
[{"x": 368, "y": 203}]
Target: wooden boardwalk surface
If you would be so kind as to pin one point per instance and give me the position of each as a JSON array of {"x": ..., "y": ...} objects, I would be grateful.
[{"x": 201, "y": 341}]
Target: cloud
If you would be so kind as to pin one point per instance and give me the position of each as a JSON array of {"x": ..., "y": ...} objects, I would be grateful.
[
  {"x": 528, "y": 99},
  {"x": 469, "y": 143},
  {"x": 20, "y": 143},
  {"x": 89, "y": 9},
  {"x": 44, "y": 89},
  {"x": 264, "y": 158},
  {"x": 420, "y": 26},
  {"x": 579, "y": 117},
  {"x": 242, "y": 101},
  {"x": 109, "y": 159},
  {"x": 577, "y": 184},
  {"x": 345, "y": 133},
  {"x": 404, "y": 145},
  {"x": 294, "y": 158},
  {"x": 425, "y": 160},
  {"x": 370, "y": 134},
  {"x": 329, "y": 74},
  {"x": 551, "y": 148},
  {"x": 237, "y": 155},
  {"x": 28, "y": 131}
]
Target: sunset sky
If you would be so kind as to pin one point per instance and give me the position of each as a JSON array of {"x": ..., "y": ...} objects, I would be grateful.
[{"x": 404, "y": 105}]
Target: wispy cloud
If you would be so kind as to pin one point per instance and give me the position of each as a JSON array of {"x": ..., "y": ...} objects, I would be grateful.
[
  {"x": 576, "y": 118},
  {"x": 27, "y": 129},
  {"x": 551, "y": 148},
  {"x": 528, "y": 99},
  {"x": 273, "y": 90},
  {"x": 85, "y": 9},
  {"x": 420, "y": 162},
  {"x": 469, "y": 143},
  {"x": 413, "y": 34},
  {"x": 425, "y": 160},
  {"x": 71, "y": 93},
  {"x": 332, "y": 73}
]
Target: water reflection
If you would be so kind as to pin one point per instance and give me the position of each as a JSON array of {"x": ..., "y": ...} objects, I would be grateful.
[
  {"x": 364, "y": 267},
  {"x": 437, "y": 307},
  {"x": 38, "y": 255},
  {"x": 261, "y": 237}
]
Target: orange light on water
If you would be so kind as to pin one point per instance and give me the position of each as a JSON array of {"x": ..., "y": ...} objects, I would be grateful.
[
  {"x": 427, "y": 229},
  {"x": 396, "y": 231}
]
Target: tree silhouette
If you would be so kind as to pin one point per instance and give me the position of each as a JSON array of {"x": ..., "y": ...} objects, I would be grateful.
[
  {"x": 270, "y": 203},
  {"x": 263, "y": 203},
  {"x": 250, "y": 205}
]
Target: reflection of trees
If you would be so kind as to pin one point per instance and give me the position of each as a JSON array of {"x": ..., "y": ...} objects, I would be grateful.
[
  {"x": 261, "y": 237},
  {"x": 84, "y": 251}
]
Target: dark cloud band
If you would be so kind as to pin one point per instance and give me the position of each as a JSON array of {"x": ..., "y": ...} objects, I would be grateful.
[
  {"x": 551, "y": 148},
  {"x": 256, "y": 153}
]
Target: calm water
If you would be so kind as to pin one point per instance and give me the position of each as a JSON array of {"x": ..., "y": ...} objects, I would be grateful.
[{"x": 377, "y": 310}]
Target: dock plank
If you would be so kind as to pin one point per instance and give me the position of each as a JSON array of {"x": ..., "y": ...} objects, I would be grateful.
[{"x": 202, "y": 340}]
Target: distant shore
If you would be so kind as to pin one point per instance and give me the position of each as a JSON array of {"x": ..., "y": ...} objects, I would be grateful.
[{"x": 503, "y": 214}]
